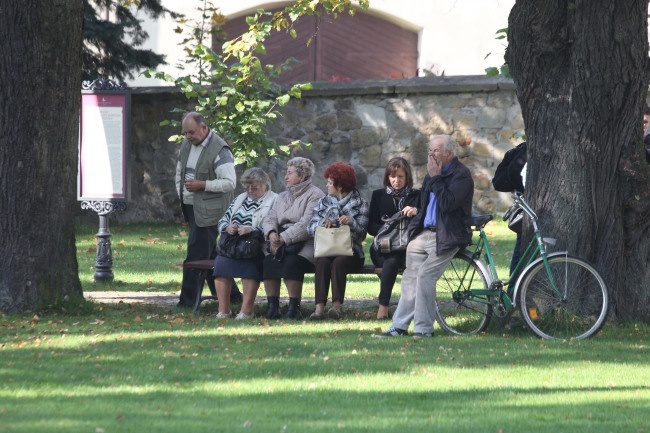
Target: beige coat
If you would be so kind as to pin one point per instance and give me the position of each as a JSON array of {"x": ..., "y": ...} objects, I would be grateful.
[{"x": 292, "y": 211}]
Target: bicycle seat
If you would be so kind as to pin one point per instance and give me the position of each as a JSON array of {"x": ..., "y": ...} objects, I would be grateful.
[{"x": 480, "y": 220}]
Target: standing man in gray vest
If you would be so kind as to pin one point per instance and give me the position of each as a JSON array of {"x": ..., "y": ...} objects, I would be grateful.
[{"x": 205, "y": 181}]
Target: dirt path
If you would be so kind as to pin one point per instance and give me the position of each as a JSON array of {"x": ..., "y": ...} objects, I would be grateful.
[{"x": 170, "y": 299}]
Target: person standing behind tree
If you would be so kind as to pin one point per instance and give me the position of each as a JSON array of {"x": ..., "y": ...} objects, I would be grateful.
[
  {"x": 510, "y": 176},
  {"x": 397, "y": 195},
  {"x": 205, "y": 181}
]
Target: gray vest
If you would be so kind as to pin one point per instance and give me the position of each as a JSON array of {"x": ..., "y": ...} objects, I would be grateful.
[{"x": 209, "y": 207}]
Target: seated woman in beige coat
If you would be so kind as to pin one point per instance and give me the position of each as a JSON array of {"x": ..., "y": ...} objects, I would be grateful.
[{"x": 290, "y": 246}]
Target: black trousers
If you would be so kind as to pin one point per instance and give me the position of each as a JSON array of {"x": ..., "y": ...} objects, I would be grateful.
[
  {"x": 201, "y": 245},
  {"x": 390, "y": 265}
]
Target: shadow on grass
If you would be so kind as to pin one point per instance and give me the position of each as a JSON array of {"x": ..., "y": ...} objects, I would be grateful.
[{"x": 143, "y": 368}]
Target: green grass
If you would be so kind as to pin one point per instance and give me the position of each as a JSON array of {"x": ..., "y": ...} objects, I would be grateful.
[
  {"x": 102, "y": 368},
  {"x": 137, "y": 368},
  {"x": 146, "y": 257}
]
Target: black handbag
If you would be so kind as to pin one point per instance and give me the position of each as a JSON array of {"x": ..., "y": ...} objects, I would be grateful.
[
  {"x": 515, "y": 217},
  {"x": 393, "y": 236},
  {"x": 246, "y": 246},
  {"x": 291, "y": 249}
]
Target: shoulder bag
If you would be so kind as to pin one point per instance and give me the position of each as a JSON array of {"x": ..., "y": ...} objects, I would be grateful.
[{"x": 393, "y": 236}]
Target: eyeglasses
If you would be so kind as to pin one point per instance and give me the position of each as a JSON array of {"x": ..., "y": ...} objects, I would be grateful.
[{"x": 253, "y": 187}]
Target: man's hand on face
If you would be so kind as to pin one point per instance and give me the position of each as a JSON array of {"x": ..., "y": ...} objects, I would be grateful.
[{"x": 434, "y": 167}]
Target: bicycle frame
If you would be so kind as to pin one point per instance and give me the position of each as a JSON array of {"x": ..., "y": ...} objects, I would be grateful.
[{"x": 535, "y": 251}]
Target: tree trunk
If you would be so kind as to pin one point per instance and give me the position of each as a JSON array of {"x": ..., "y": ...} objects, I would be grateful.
[
  {"x": 40, "y": 84},
  {"x": 581, "y": 72}
]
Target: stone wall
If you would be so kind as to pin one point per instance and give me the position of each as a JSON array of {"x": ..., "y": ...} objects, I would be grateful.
[{"x": 364, "y": 123}]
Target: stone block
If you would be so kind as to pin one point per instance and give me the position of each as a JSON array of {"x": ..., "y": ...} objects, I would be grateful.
[
  {"x": 490, "y": 117},
  {"x": 480, "y": 148},
  {"x": 464, "y": 122},
  {"x": 348, "y": 121},
  {"x": 365, "y": 137},
  {"x": 370, "y": 157},
  {"x": 327, "y": 122},
  {"x": 371, "y": 115}
]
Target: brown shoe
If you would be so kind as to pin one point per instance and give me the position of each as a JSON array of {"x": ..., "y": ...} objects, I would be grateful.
[
  {"x": 334, "y": 314},
  {"x": 316, "y": 316}
]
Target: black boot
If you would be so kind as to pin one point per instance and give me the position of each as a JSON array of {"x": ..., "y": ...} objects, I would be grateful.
[
  {"x": 293, "y": 312},
  {"x": 273, "y": 310}
]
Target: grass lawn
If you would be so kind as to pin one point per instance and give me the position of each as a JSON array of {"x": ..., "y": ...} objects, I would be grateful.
[{"x": 102, "y": 368}]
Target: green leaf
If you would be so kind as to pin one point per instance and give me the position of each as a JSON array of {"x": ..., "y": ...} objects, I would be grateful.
[
  {"x": 505, "y": 71},
  {"x": 283, "y": 100},
  {"x": 492, "y": 71}
]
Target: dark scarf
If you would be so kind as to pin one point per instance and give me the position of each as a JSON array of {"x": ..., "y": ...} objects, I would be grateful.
[{"x": 398, "y": 195}]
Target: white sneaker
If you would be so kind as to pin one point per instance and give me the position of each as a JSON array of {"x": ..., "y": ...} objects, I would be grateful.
[
  {"x": 242, "y": 316},
  {"x": 227, "y": 315}
]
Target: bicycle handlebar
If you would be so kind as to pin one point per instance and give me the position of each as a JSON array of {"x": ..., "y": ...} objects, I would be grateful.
[{"x": 519, "y": 200}]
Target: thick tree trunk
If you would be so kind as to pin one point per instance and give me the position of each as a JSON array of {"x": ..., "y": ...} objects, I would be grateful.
[
  {"x": 581, "y": 72},
  {"x": 40, "y": 83}
]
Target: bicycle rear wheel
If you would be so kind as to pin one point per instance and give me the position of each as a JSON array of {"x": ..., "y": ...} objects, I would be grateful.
[
  {"x": 460, "y": 311},
  {"x": 575, "y": 306}
]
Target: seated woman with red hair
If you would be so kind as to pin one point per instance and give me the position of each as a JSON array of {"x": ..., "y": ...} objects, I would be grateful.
[{"x": 348, "y": 208}]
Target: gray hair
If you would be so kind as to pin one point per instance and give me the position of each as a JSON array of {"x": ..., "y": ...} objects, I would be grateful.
[
  {"x": 197, "y": 117},
  {"x": 450, "y": 144},
  {"x": 255, "y": 174},
  {"x": 304, "y": 167}
]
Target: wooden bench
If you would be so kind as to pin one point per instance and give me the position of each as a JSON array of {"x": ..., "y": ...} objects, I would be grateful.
[{"x": 205, "y": 267}]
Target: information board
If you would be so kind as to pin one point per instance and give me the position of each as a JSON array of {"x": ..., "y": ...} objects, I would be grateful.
[{"x": 103, "y": 145}]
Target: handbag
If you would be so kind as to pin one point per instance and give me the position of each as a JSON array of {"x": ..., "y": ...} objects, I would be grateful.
[
  {"x": 291, "y": 249},
  {"x": 248, "y": 246},
  {"x": 333, "y": 241},
  {"x": 515, "y": 217},
  {"x": 393, "y": 235}
]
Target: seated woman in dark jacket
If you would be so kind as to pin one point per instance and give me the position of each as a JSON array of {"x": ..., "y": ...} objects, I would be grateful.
[{"x": 397, "y": 195}]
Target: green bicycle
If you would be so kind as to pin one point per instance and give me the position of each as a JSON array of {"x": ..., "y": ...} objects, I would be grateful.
[{"x": 559, "y": 296}]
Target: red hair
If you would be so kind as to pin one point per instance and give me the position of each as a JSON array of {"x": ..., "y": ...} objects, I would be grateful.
[{"x": 342, "y": 176}]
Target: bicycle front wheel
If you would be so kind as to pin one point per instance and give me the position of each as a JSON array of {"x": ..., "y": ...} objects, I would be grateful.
[
  {"x": 459, "y": 310},
  {"x": 566, "y": 301}
]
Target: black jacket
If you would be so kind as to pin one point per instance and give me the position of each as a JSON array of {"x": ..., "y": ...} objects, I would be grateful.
[
  {"x": 454, "y": 191},
  {"x": 382, "y": 204}
]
